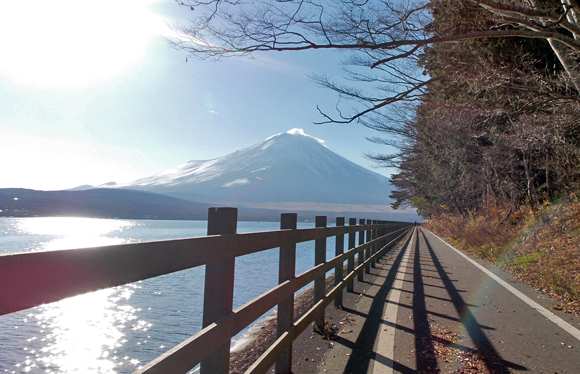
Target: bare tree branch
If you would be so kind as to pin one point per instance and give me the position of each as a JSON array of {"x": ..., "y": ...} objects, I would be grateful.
[{"x": 386, "y": 33}]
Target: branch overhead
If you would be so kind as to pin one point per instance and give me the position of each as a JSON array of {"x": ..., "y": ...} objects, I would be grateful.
[{"x": 391, "y": 35}]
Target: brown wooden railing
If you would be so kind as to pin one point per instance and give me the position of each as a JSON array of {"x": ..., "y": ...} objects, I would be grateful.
[{"x": 32, "y": 279}]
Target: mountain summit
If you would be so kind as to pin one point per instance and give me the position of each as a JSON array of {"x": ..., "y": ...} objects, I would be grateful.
[{"x": 287, "y": 167}]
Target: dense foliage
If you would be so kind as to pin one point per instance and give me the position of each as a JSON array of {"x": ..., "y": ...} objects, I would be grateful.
[{"x": 500, "y": 126}]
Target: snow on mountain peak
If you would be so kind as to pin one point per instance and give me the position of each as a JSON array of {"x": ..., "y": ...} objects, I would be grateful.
[
  {"x": 294, "y": 131},
  {"x": 297, "y": 131}
]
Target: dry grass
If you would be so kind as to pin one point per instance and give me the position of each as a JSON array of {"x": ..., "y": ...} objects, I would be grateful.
[
  {"x": 486, "y": 233},
  {"x": 541, "y": 248},
  {"x": 546, "y": 254}
]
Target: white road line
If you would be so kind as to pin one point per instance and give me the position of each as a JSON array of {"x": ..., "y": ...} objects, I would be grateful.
[
  {"x": 385, "y": 344},
  {"x": 545, "y": 312}
]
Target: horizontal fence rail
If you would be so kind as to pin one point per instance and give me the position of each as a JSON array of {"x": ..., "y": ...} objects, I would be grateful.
[{"x": 32, "y": 279}]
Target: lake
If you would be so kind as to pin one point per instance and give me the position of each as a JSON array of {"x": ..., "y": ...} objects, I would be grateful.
[{"x": 120, "y": 329}]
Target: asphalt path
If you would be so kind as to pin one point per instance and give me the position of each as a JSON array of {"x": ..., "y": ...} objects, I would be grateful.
[{"x": 430, "y": 308}]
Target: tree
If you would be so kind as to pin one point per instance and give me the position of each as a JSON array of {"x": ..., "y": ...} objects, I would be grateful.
[
  {"x": 561, "y": 29},
  {"x": 507, "y": 103}
]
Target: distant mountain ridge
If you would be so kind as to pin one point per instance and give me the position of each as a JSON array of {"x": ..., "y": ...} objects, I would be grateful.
[
  {"x": 287, "y": 167},
  {"x": 131, "y": 204},
  {"x": 99, "y": 203}
]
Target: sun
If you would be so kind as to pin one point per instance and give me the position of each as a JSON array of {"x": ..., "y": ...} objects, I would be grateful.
[{"x": 71, "y": 43}]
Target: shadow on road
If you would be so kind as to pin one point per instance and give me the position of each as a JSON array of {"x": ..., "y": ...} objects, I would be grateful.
[
  {"x": 424, "y": 350},
  {"x": 362, "y": 349},
  {"x": 491, "y": 357}
]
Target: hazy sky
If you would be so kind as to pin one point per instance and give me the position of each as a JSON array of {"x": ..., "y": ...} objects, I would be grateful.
[{"x": 90, "y": 92}]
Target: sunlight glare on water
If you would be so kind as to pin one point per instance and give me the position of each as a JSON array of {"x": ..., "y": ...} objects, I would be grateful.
[
  {"x": 71, "y": 232},
  {"x": 82, "y": 334},
  {"x": 71, "y": 226}
]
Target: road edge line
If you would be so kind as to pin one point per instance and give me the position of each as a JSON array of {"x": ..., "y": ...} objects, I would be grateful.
[{"x": 545, "y": 312}]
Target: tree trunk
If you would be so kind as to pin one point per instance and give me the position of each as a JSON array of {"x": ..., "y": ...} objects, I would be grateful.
[
  {"x": 563, "y": 52},
  {"x": 568, "y": 62}
]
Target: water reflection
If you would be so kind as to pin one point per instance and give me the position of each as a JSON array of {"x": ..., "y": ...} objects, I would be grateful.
[
  {"x": 82, "y": 334},
  {"x": 71, "y": 226},
  {"x": 68, "y": 232}
]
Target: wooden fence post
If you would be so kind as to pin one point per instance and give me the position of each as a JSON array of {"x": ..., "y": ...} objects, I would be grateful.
[
  {"x": 361, "y": 254},
  {"x": 350, "y": 263},
  {"x": 382, "y": 232},
  {"x": 287, "y": 271},
  {"x": 386, "y": 230},
  {"x": 319, "y": 258},
  {"x": 375, "y": 247},
  {"x": 339, "y": 249},
  {"x": 218, "y": 294},
  {"x": 368, "y": 250}
]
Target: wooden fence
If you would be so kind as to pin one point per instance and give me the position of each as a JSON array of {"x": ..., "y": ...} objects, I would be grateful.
[{"x": 32, "y": 279}]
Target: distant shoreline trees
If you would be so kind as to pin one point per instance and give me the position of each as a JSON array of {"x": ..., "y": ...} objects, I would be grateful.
[{"x": 481, "y": 97}]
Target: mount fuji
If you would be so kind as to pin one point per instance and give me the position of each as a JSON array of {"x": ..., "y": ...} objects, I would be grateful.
[{"x": 286, "y": 170}]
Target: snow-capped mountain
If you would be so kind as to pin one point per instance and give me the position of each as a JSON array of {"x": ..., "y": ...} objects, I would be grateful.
[{"x": 288, "y": 167}]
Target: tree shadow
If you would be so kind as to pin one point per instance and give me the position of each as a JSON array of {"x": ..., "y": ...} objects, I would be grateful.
[
  {"x": 424, "y": 349},
  {"x": 491, "y": 357}
]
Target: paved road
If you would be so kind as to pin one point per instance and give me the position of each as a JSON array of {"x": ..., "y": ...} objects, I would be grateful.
[{"x": 429, "y": 308}]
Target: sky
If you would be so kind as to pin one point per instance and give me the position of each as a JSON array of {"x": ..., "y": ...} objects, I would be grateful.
[{"x": 91, "y": 92}]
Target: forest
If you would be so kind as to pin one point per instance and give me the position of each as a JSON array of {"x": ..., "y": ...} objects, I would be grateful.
[{"x": 499, "y": 123}]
